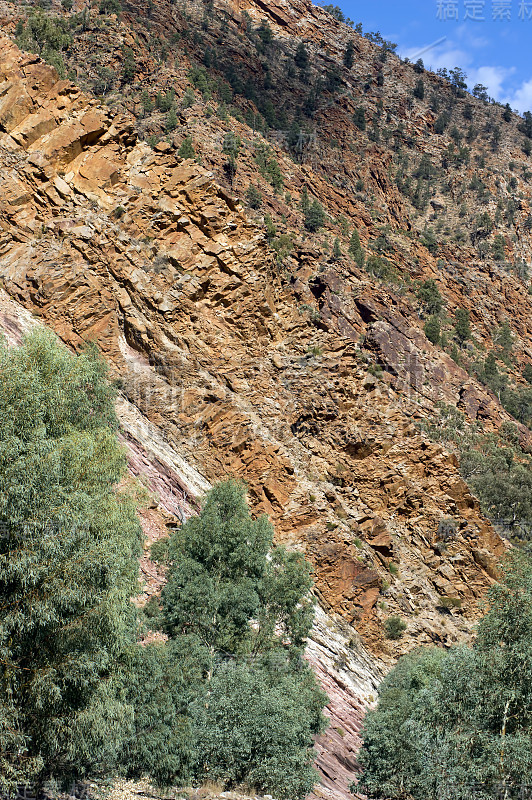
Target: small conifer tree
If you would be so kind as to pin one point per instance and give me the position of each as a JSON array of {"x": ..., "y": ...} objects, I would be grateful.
[
  {"x": 253, "y": 197},
  {"x": 170, "y": 123},
  {"x": 462, "y": 327},
  {"x": 349, "y": 55},
  {"x": 188, "y": 98},
  {"x": 304, "y": 201},
  {"x": 129, "y": 66},
  {"x": 301, "y": 57},
  {"x": 315, "y": 217},
  {"x": 337, "y": 252},
  {"x": 355, "y": 249},
  {"x": 419, "y": 89},
  {"x": 187, "y": 148},
  {"x": 359, "y": 118},
  {"x": 432, "y": 329}
]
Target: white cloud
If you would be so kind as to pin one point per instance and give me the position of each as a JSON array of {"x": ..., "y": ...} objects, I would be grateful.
[
  {"x": 491, "y": 77},
  {"x": 458, "y": 53},
  {"x": 521, "y": 98},
  {"x": 448, "y": 58},
  {"x": 442, "y": 53}
]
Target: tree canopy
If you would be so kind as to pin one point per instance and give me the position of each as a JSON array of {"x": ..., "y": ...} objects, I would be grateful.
[
  {"x": 68, "y": 565},
  {"x": 462, "y": 716},
  {"x": 245, "y": 605}
]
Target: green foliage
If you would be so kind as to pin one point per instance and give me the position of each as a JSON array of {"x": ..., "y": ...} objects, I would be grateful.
[
  {"x": 315, "y": 217},
  {"x": 391, "y": 734},
  {"x": 429, "y": 296},
  {"x": 201, "y": 81},
  {"x": 271, "y": 230},
  {"x": 110, "y": 7},
  {"x": 220, "y": 579},
  {"x": 337, "y": 252},
  {"x": 462, "y": 327},
  {"x": 187, "y": 148},
  {"x": 527, "y": 373},
  {"x": 419, "y": 89},
  {"x": 425, "y": 169},
  {"x": 359, "y": 118},
  {"x": 304, "y": 202},
  {"x": 518, "y": 402},
  {"x": 379, "y": 267},
  {"x": 283, "y": 246},
  {"x": 355, "y": 249},
  {"x": 268, "y": 166},
  {"x": 498, "y": 248},
  {"x": 170, "y": 123},
  {"x": 258, "y": 724},
  {"x": 526, "y": 125},
  {"x": 301, "y": 57},
  {"x": 46, "y": 35},
  {"x": 55, "y": 59},
  {"x": 159, "y": 551},
  {"x": 162, "y": 681},
  {"x": 507, "y": 113},
  {"x": 68, "y": 565},
  {"x": 104, "y": 81},
  {"x": 349, "y": 55},
  {"x": 481, "y": 92},
  {"x": 394, "y": 628},
  {"x": 504, "y": 338},
  {"x": 129, "y": 67},
  {"x": 460, "y": 716},
  {"x": 490, "y": 367},
  {"x": 496, "y": 470},
  {"x": 265, "y": 33},
  {"x": 441, "y": 123},
  {"x": 231, "y": 145},
  {"x": 458, "y": 80},
  {"x": 432, "y": 329},
  {"x": 334, "y": 11},
  {"x": 188, "y": 98},
  {"x": 253, "y": 197},
  {"x": 428, "y": 239},
  {"x": 147, "y": 105},
  {"x": 240, "y": 606},
  {"x": 274, "y": 174},
  {"x": 164, "y": 102}
]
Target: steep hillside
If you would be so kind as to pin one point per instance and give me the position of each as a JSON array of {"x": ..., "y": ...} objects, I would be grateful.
[{"x": 244, "y": 345}]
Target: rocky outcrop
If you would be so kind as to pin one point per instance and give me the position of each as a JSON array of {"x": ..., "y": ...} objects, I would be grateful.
[{"x": 225, "y": 368}]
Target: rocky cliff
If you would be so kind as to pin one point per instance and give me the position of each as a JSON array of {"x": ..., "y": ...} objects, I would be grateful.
[{"x": 231, "y": 361}]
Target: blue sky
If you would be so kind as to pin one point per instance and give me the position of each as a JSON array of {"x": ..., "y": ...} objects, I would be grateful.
[{"x": 491, "y": 40}]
